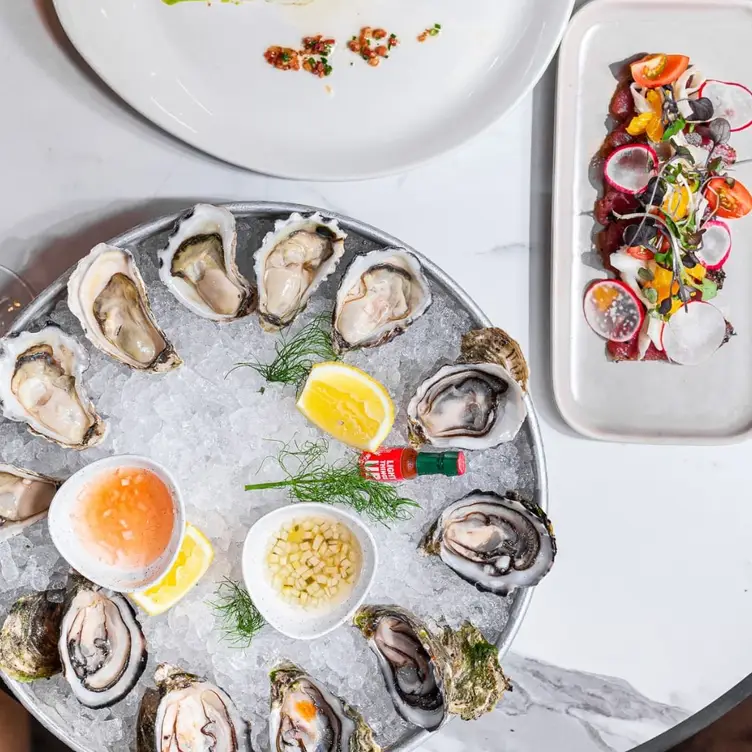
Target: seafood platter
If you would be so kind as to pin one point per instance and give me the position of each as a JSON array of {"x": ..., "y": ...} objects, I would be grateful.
[{"x": 270, "y": 480}]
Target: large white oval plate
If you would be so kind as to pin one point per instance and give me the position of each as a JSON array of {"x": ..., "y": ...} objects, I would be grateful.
[{"x": 197, "y": 70}]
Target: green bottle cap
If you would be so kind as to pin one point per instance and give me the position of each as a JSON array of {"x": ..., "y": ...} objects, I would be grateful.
[{"x": 440, "y": 463}]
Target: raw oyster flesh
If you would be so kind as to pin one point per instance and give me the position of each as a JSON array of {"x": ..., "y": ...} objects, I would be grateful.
[
  {"x": 41, "y": 385},
  {"x": 199, "y": 265},
  {"x": 29, "y": 636},
  {"x": 307, "y": 717},
  {"x": 293, "y": 261},
  {"x": 102, "y": 647},
  {"x": 381, "y": 294},
  {"x": 25, "y": 498},
  {"x": 189, "y": 713},
  {"x": 107, "y": 295},
  {"x": 497, "y": 543}
]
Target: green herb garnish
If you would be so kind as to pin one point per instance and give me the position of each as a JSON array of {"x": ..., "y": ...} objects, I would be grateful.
[
  {"x": 296, "y": 355},
  {"x": 310, "y": 477},
  {"x": 676, "y": 127},
  {"x": 240, "y": 620}
]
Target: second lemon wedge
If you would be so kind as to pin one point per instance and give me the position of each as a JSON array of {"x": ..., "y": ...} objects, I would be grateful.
[
  {"x": 194, "y": 558},
  {"x": 348, "y": 404}
]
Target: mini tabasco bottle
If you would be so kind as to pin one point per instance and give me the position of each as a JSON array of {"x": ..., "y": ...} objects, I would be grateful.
[{"x": 404, "y": 464}]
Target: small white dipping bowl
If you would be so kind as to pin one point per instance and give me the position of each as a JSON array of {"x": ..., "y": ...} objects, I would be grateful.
[
  {"x": 68, "y": 541},
  {"x": 290, "y": 620}
]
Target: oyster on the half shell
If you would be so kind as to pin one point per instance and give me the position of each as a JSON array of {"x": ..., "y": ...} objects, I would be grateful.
[
  {"x": 294, "y": 259},
  {"x": 413, "y": 662},
  {"x": 381, "y": 294},
  {"x": 102, "y": 647},
  {"x": 25, "y": 498},
  {"x": 467, "y": 406},
  {"x": 108, "y": 296},
  {"x": 187, "y": 712},
  {"x": 306, "y": 717},
  {"x": 199, "y": 266},
  {"x": 41, "y": 376},
  {"x": 29, "y": 636},
  {"x": 497, "y": 543},
  {"x": 476, "y": 403}
]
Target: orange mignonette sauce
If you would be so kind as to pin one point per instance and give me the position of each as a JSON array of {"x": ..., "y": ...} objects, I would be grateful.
[{"x": 126, "y": 516}]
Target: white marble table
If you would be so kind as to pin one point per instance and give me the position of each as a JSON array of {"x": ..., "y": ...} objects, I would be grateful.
[{"x": 654, "y": 567}]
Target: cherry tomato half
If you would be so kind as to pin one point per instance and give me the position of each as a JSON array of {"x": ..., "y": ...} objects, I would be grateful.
[
  {"x": 728, "y": 199},
  {"x": 654, "y": 71},
  {"x": 640, "y": 252}
]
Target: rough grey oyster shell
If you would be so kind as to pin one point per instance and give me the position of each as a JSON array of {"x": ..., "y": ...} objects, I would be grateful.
[
  {"x": 493, "y": 345},
  {"x": 102, "y": 647},
  {"x": 497, "y": 543},
  {"x": 335, "y": 727},
  {"x": 477, "y": 681},
  {"x": 413, "y": 662},
  {"x": 192, "y": 708},
  {"x": 29, "y": 637}
]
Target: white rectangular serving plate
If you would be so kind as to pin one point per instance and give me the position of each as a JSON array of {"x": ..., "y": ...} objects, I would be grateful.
[{"x": 643, "y": 401}]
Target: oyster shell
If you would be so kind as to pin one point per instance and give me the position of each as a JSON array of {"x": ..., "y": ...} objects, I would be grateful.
[
  {"x": 467, "y": 406},
  {"x": 41, "y": 385},
  {"x": 198, "y": 265},
  {"x": 497, "y": 543},
  {"x": 413, "y": 662},
  {"x": 188, "y": 712},
  {"x": 381, "y": 294},
  {"x": 25, "y": 498},
  {"x": 28, "y": 638},
  {"x": 492, "y": 345},
  {"x": 294, "y": 259},
  {"x": 102, "y": 647},
  {"x": 329, "y": 725},
  {"x": 107, "y": 295},
  {"x": 477, "y": 681}
]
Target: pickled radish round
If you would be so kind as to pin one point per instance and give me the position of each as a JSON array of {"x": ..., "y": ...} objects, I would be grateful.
[
  {"x": 629, "y": 168},
  {"x": 730, "y": 101},
  {"x": 612, "y": 310},
  {"x": 691, "y": 336},
  {"x": 716, "y": 245}
]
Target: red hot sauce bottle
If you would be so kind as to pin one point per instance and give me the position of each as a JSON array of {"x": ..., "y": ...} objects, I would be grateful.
[{"x": 391, "y": 465}]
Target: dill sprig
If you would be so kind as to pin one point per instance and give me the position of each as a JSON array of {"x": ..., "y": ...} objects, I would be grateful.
[
  {"x": 240, "y": 620},
  {"x": 296, "y": 354},
  {"x": 310, "y": 477}
]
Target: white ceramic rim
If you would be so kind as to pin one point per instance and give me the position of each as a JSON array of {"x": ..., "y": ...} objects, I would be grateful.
[
  {"x": 515, "y": 90},
  {"x": 261, "y": 593},
  {"x": 64, "y": 538}
]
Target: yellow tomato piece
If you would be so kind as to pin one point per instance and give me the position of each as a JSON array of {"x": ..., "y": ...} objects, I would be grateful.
[
  {"x": 639, "y": 124},
  {"x": 697, "y": 272},
  {"x": 676, "y": 203}
]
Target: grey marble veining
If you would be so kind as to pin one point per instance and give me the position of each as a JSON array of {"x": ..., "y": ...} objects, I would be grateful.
[{"x": 552, "y": 709}]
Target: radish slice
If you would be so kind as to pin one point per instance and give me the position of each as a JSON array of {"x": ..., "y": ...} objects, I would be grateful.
[
  {"x": 716, "y": 245},
  {"x": 612, "y": 310},
  {"x": 692, "y": 336},
  {"x": 629, "y": 168},
  {"x": 731, "y": 101}
]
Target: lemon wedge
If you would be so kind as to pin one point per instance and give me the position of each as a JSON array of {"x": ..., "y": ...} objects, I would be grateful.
[
  {"x": 194, "y": 558},
  {"x": 348, "y": 404}
]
